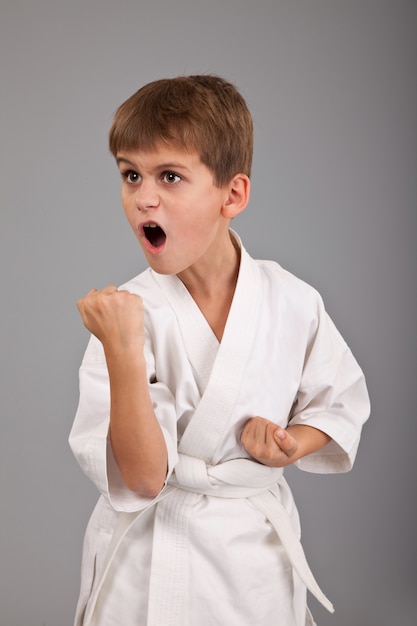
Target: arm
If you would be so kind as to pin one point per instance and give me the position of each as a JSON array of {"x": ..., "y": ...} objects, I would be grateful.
[{"x": 116, "y": 319}]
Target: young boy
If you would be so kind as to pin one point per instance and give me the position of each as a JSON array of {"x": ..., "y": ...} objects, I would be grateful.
[{"x": 204, "y": 377}]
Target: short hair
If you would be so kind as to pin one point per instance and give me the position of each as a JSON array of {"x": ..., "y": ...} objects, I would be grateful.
[{"x": 202, "y": 113}]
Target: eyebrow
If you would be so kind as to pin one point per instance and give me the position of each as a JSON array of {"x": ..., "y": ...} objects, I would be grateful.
[
  {"x": 160, "y": 166},
  {"x": 123, "y": 160}
]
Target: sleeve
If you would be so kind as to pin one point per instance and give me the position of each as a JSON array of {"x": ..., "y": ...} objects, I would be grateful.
[
  {"x": 89, "y": 439},
  {"x": 332, "y": 397}
]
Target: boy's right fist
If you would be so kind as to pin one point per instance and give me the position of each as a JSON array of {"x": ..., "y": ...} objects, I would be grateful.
[{"x": 114, "y": 317}]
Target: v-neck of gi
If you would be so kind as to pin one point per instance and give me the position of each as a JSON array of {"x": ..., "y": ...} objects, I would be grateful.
[{"x": 201, "y": 344}]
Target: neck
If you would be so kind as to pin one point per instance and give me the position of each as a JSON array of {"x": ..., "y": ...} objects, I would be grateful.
[
  {"x": 213, "y": 288},
  {"x": 218, "y": 275}
]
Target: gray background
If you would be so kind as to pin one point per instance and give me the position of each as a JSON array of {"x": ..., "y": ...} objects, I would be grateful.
[{"x": 332, "y": 87}]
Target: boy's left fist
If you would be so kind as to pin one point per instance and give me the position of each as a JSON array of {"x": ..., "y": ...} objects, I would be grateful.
[{"x": 268, "y": 443}]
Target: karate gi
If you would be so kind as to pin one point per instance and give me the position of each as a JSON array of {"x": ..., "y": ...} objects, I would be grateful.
[{"x": 220, "y": 544}]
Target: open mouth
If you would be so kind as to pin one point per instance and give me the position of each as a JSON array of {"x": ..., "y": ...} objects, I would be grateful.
[{"x": 154, "y": 234}]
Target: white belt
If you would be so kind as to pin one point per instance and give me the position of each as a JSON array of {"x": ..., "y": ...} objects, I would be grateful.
[
  {"x": 243, "y": 478},
  {"x": 238, "y": 478}
]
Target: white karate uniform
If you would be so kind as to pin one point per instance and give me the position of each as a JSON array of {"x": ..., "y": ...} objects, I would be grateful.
[{"x": 220, "y": 544}]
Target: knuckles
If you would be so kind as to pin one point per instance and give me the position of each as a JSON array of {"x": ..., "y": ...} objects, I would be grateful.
[{"x": 109, "y": 298}]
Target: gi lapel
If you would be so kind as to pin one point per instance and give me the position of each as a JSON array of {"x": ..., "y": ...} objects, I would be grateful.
[{"x": 216, "y": 406}]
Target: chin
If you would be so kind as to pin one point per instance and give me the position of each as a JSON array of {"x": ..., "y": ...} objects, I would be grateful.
[{"x": 162, "y": 268}]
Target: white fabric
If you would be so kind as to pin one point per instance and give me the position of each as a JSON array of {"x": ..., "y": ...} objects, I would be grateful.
[{"x": 220, "y": 543}]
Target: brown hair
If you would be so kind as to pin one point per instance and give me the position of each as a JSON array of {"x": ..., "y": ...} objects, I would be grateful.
[{"x": 205, "y": 114}]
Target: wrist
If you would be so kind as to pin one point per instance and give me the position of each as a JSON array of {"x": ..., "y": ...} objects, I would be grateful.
[{"x": 129, "y": 356}]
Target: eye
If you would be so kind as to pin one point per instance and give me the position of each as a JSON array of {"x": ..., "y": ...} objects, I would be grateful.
[
  {"x": 131, "y": 177},
  {"x": 171, "y": 178}
]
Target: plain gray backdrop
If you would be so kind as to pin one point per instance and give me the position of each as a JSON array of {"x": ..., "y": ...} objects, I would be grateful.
[{"x": 332, "y": 85}]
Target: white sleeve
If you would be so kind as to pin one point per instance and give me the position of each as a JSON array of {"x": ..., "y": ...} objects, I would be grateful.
[
  {"x": 89, "y": 435},
  {"x": 332, "y": 397}
]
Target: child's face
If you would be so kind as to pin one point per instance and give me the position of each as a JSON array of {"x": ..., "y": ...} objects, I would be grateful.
[{"x": 173, "y": 207}]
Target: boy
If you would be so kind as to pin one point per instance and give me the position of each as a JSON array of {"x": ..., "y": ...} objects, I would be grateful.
[{"x": 204, "y": 377}]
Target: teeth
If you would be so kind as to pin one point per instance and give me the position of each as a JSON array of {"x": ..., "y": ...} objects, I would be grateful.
[{"x": 150, "y": 226}]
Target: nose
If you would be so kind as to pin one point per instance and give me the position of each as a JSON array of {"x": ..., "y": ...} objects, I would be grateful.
[{"x": 147, "y": 196}]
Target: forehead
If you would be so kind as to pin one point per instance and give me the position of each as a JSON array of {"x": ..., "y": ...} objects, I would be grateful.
[{"x": 161, "y": 155}]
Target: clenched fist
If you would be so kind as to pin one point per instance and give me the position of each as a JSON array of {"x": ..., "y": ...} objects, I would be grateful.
[
  {"x": 268, "y": 443},
  {"x": 115, "y": 317}
]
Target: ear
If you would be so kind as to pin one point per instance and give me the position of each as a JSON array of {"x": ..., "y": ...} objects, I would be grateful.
[{"x": 238, "y": 191}]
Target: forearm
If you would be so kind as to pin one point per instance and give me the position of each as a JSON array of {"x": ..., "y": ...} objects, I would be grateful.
[
  {"x": 136, "y": 438},
  {"x": 308, "y": 440}
]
